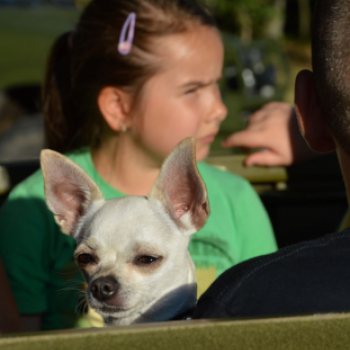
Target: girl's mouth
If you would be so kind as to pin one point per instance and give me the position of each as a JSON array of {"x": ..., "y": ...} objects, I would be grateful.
[{"x": 209, "y": 138}]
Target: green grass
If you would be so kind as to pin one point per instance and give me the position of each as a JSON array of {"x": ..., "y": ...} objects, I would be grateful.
[{"x": 26, "y": 35}]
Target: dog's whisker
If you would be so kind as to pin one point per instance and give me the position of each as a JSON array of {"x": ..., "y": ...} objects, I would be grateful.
[
  {"x": 80, "y": 290},
  {"x": 74, "y": 271},
  {"x": 81, "y": 305},
  {"x": 66, "y": 290}
]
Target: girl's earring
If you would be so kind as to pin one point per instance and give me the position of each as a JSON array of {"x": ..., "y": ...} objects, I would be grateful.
[{"x": 123, "y": 127}]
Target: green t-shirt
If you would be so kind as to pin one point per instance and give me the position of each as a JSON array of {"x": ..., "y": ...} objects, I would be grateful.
[{"x": 38, "y": 257}]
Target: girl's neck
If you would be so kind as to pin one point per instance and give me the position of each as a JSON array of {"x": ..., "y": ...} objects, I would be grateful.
[{"x": 125, "y": 166}]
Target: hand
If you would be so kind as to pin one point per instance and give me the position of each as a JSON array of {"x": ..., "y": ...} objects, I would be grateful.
[{"x": 273, "y": 129}]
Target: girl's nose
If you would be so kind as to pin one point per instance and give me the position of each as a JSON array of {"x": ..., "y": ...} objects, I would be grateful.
[{"x": 219, "y": 110}]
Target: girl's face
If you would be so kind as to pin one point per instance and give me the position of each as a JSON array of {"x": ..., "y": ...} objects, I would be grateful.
[{"x": 183, "y": 99}]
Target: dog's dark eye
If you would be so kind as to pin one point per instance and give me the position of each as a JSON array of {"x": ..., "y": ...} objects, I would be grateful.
[
  {"x": 147, "y": 259},
  {"x": 85, "y": 259}
]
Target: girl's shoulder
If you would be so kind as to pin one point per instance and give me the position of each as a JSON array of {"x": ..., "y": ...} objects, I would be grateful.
[
  {"x": 33, "y": 186},
  {"x": 220, "y": 177},
  {"x": 226, "y": 185},
  {"x": 81, "y": 157}
]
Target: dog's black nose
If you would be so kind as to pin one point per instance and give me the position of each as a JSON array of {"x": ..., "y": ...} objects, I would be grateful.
[{"x": 104, "y": 288}]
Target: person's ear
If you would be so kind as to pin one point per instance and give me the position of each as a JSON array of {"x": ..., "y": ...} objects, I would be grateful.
[
  {"x": 311, "y": 121},
  {"x": 114, "y": 105}
]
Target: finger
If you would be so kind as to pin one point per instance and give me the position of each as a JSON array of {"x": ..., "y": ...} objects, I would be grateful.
[
  {"x": 240, "y": 139},
  {"x": 277, "y": 106},
  {"x": 264, "y": 111},
  {"x": 245, "y": 138},
  {"x": 257, "y": 116},
  {"x": 265, "y": 158}
]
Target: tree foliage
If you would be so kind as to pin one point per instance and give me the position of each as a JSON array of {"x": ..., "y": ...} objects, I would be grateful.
[
  {"x": 250, "y": 18},
  {"x": 253, "y": 18}
]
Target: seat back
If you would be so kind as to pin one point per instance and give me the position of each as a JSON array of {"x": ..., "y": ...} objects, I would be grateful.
[{"x": 318, "y": 332}]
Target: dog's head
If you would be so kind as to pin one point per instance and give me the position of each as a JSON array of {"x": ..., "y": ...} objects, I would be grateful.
[{"x": 132, "y": 251}]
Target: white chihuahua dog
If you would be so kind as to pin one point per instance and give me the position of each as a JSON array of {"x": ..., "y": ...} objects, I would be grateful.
[{"x": 132, "y": 251}]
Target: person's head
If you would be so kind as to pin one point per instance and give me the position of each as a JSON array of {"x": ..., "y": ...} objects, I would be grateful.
[
  {"x": 323, "y": 97},
  {"x": 162, "y": 92}
]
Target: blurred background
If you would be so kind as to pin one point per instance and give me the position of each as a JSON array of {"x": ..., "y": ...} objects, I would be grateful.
[{"x": 266, "y": 43}]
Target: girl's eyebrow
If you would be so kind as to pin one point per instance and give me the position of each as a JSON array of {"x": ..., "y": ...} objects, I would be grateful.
[
  {"x": 199, "y": 83},
  {"x": 195, "y": 83}
]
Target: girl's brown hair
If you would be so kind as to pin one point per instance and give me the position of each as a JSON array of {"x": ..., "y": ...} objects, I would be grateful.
[{"x": 82, "y": 63}]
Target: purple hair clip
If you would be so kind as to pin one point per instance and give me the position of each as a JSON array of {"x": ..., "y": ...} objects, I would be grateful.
[{"x": 125, "y": 44}]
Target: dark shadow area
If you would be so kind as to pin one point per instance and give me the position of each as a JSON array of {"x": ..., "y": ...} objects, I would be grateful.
[
  {"x": 9, "y": 317},
  {"x": 21, "y": 123},
  {"x": 313, "y": 204},
  {"x": 18, "y": 171},
  {"x": 28, "y": 97}
]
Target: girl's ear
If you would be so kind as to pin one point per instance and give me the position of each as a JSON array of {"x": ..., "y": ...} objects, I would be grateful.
[
  {"x": 114, "y": 105},
  {"x": 311, "y": 121}
]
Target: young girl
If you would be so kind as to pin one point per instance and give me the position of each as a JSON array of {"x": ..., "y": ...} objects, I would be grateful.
[{"x": 118, "y": 114}]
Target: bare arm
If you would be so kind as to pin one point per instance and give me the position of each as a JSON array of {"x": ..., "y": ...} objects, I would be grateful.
[
  {"x": 9, "y": 318},
  {"x": 274, "y": 129}
]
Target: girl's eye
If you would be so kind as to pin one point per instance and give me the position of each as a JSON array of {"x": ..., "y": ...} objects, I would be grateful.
[
  {"x": 188, "y": 92},
  {"x": 85, "y": 259},
  {"x": 147, "y": 259}
]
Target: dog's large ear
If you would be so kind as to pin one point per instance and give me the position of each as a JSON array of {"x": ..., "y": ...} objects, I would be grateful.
[
  {"x": 69, "y": 191},
  {"x": 181, "y": 189}
]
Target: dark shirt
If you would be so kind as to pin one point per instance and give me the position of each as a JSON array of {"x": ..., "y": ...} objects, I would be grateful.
[{"x": 309, "y": 277}]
